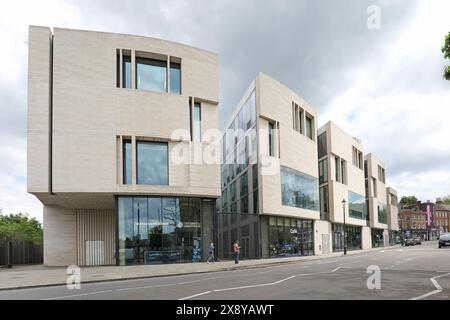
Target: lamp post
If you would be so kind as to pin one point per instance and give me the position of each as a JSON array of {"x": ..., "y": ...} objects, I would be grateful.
[{"x": 345, "y": 231}]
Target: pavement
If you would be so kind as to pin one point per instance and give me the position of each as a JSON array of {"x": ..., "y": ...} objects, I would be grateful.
[
  {"x": 418, "y": 272},
  {"x": 28, "y": 276}
]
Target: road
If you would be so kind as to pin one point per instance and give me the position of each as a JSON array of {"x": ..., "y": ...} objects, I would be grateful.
[{"x": 419, "y": 272}]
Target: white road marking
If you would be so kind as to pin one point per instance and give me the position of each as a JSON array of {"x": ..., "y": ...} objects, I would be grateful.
[
  {"x": 78, "y": 295},
  {"x": 436, "y": 285},
  {"x": 257, "y": 285},
  {"x": 195, "y": 295}
]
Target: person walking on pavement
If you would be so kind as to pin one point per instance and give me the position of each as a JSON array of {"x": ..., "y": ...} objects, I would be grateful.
[
  {"x": 237, "y": 252},
  {"x": 211, "y": 253}
]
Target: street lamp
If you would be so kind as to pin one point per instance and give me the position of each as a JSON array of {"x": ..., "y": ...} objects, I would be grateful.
[{"x": 345, "y": 233}]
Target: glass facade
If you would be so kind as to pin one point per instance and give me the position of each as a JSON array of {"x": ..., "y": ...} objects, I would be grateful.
[
  {"x": 151, "y": 75},
  {"x": 175, "y": 78},
  {"x": 299, "y": 190},
  {"x": 382, "y": 213},
  {"x": 357, "y": 206},
  {"x": 290, "y": 237},
  {"x": 242, "y": 227},
  {"x": 152, "y": 163},
  {"x": 154, "y": 230},
  {"x": 353, "y": 235},
  {"x": 377, "y": 238}
]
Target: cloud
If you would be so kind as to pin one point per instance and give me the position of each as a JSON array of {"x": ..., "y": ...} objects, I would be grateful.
[{"x": 383, "y": 86}]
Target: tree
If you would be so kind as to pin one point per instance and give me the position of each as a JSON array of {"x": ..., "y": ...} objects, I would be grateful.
[
  {"x": 20, "y": 226},
  {"x": 408, "y": 200},
  {"x": 446, "y": 51},
  {"x": 446, "y": 200}
]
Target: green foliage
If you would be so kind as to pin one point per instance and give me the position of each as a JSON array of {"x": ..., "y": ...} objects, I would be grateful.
[
  {"x": 446, "y": 200},
  {"x": 446, "y": 51},
  {"x": 408, "y": 200},
  {"x": 20, "y": 226}
]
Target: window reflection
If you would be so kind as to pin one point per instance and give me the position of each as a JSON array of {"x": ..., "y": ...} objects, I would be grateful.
[
  {"x": 154, "y": 230},
  {"x": 175, "y": 78},
  {"x": 151, "y": 75},
  {"x": 299, "y": 189},
  {"x": 152, "y": 163},
  {"x": 357, "y": 206}
]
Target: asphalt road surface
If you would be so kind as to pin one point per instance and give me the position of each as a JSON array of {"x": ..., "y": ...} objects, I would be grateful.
[{"x": 419, "y": 272}]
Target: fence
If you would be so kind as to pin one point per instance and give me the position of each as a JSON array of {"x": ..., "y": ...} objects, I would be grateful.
[{"x": 23, "y": 252}]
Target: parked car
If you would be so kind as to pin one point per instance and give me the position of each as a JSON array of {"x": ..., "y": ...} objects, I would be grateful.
[
  {"x": 417, "y": 240},
  {"x": 408, "y": 242},
  {"x": 444, "y": 240}
]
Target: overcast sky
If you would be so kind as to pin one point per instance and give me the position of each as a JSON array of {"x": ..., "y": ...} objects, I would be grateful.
[{"x": 383, "y": 86}]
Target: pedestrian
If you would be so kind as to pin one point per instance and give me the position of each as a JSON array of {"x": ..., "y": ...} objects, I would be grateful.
[
  {"x": 237, "y": 252},
  {"x": 211, "y": 253}
]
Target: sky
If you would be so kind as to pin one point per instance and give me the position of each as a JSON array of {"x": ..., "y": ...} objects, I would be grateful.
[{"x": 382, "y": 85}]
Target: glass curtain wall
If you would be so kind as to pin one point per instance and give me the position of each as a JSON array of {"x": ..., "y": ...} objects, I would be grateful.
[
  {"x": 299, "y": 189},
  {"x": 155, "y": 230},
  {"x": 353, "y": 234},
  {"x": 290, "y": 237}
]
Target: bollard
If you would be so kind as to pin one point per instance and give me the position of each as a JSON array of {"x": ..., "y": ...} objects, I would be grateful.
[{"x": 10, "y": 255}]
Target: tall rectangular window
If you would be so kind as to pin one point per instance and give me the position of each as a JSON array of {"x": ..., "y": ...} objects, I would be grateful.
[
  {"x": 322, "y": 144},
  {"x": 309, "y": 127},
  {"x": 152, "y": 163},
  {"x": 323, "y": 171},
  {"x": 343, "y": 171},
  {"x": 337, "y": 168},
  {"x": 175, "y": 78},
  {"x": 126, "y": 162},
  {"x": 197, "y": 122},
  {"x": 323, "y": 196},
  {"x": 271, "y": 140},
  {"x": 126, "y": 72},
  {"x": 151, "y": 75},
  {"x": 374, "y": 187}
]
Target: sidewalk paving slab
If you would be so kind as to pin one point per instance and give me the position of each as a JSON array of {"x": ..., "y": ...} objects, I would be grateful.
[{"x": 22, "y": 277}]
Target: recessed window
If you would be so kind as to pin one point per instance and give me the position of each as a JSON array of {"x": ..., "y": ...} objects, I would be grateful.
[
  {"x": 127, "y": 161},
  {"x": 322, "y": 145},
  {"x": 381, "y": 174},
  {"x": 297, "y": 118},
  {"x": 309, "y": 127},
  {"x": 323, "y": 171},
  {"x": 197, "y": 122},
  {"x": 126, "y": 71},
  {"x": 271, "y": 139},
  {"x": 151, "y": 75},
  {"x": 175, "y": 78},
  {"x": 152, "y": 163}
]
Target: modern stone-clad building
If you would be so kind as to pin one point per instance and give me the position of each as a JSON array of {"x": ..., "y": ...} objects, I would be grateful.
[
  {"x": 375, "y": 176},
  {"x": 392, "y": 211},
  {"x": 125, "y": 154},
  {"x": 341, "y": 178},
  {"x": 270, "y": 199},
  {"x": 107, "y": 116}
]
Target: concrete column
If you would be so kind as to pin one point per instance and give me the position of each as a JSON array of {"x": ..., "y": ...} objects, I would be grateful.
[{"x": 60, "y": 247}]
